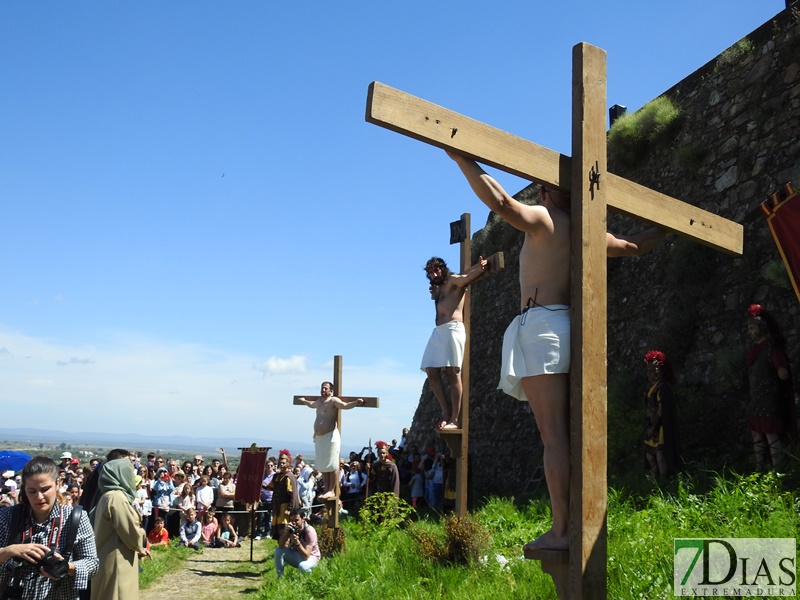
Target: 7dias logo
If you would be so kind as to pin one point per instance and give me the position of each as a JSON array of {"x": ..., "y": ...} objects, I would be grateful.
[{"x": 741, "y": 567}]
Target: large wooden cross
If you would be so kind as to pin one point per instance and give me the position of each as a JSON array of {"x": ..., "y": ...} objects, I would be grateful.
[
  {"x": 593, "y": 189},
  {"x": 458, "y": 439},
  {"x": 369, "y": 402}
]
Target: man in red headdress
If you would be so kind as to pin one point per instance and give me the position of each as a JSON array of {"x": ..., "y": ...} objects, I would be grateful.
[
  {"x": 382, "y": 475},
  {"x": 770, "y": 410},
  {"x": 661, "y": 422},
  {"x": 284, "y": 494}
]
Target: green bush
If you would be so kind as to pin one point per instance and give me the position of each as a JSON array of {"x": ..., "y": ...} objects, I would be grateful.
[
  {"x": 633, "y": 134},
  {"x": 330, "y": 540},
  {"x": 461, "y": 541},
  {"x": 384, "y": 510}
]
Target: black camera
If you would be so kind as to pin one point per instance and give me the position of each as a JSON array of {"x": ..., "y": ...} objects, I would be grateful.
[
  {"x": 53, "y": 565},
  {"x": 293, "y": 529}
]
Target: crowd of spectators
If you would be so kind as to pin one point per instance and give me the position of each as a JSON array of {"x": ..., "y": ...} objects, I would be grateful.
[{"x": 170, "y": 492}]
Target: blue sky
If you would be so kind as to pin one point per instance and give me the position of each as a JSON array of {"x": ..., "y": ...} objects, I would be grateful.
[{"x": 197, "y": 218}]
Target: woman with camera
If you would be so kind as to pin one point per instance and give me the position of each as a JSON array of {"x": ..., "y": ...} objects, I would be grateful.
[
  {"x": 120, "y": 537},
  {"x": 46, "y": 553}
]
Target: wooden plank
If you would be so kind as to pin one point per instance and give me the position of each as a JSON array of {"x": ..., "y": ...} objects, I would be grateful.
[
  {"x": 588, "y": 445},
  {"x": 553, "y": 556},
  {"x": 462, "y": 470},
  {"x": 496, "y": 263},
  {"x": 427, "y": 122},
  {"x": 673, "y": 215},
  {"x": 369, "y": 401}
]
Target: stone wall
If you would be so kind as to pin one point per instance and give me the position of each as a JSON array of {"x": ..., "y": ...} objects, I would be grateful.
[{"x": 736, "y": 142}]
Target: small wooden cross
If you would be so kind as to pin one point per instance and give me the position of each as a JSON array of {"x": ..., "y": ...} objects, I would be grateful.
[
  {"x": 458, "y": 439},
  {"x": 593, "y": 189},
  {"x": 369, "y": 402}
]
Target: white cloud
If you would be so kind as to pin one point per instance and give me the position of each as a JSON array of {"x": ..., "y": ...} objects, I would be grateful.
[
  {"x": 189, "y": 389},
  {"x": 75, "y": 361},
  {"x": 278, "y": 366}
]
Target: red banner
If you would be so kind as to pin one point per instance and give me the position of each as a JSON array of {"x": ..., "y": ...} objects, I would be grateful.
[
  {"x": 250, "y": 474},
  {"x": 782, "y": 212}
]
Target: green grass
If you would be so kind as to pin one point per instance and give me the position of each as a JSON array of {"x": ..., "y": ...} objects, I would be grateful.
[
  {"x": 165, "y": 560},
  {"x": 641, "y": 530}
]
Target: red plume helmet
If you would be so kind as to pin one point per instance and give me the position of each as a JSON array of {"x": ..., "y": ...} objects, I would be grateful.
[
  {"x": 758, "y": 313},
  {"x": 656, "y": 357}
]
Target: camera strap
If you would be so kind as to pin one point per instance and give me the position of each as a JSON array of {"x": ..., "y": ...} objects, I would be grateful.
[
  {"x": 72, "y": 531},
  {"x": 15, "y": 526},
  {"x": 55, "y": 529}
]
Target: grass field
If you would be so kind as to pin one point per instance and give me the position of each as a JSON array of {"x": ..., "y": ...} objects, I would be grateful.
[{"x": 383, "y": 563}]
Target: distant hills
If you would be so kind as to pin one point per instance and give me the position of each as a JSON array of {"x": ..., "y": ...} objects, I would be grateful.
[{"x": 138, "y": 441}]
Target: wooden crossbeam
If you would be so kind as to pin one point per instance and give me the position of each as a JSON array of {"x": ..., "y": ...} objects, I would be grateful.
[
  {"x": 495, "y": 263},
  {"x": 369, "y": 401},
  {"x": 433, "y": 124}
]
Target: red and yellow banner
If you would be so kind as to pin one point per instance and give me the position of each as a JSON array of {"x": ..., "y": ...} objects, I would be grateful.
[
  {"x": 782, "y": 212},
  {"x": 250, "y": 474}
]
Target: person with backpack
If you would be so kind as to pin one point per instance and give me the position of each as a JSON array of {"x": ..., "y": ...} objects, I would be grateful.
[{"x": 48, "y": 549}]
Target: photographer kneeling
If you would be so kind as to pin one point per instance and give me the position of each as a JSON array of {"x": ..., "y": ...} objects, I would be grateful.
[
  {"x": 297, "y": 545},
  {"x": 45, "y": 554}
]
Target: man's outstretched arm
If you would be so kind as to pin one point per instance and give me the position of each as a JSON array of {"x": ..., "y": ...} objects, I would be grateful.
[
  {"x": 520, "y": 216},
  {"x": 634, "y": 245},
  {"x": 471, "y": 274}
]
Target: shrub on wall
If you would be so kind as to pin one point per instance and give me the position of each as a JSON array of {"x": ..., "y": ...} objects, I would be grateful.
[{"x": 634, "y": 134}]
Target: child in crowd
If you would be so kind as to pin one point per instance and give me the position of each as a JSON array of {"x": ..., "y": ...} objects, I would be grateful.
[
  {"x": 191, "y": 530},
  {"x": 417, "y": 486},
  {"x": 185, "y": 501},
  {"x": 226, "y": 536},
  {"x": 208, "y": 531},
  {"x": 143, "y": 504},
  {"x": 204, "y": 496},
  {"x": 158, "y": 536}
]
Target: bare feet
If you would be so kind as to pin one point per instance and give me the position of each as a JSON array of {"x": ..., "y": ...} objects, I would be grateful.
[
  {"x": 548, "y": 541},
  {"x": 327, "y": 496},
  {"x": 450, "y": 426},
  {"x": 442, "y": 423}
]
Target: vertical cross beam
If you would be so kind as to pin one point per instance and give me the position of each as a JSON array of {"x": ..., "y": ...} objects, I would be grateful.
[
  {"x": 458, "y": 439},
  {"x": 462, "y": 472},
  {"x": 588, "y": 447}
]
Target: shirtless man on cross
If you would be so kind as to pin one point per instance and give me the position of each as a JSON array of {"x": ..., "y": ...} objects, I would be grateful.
[
  {"x": 536, "y": 345},
  {"x": 445, "y": 349},
  {"x": 327, "y": 441}
]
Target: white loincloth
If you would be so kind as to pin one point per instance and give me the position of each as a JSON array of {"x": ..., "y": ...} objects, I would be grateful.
[
  {"x": 535, "y": 343},
  {"x": 328, "y": 448},
  {"x": 446, "y": 346}
]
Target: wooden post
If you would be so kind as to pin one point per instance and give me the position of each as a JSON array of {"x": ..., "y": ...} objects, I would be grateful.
[
  {"x": 593, "y": 189},
  {"x": 458, "y": 439},
  {"x": 332, "y": 505},
  {"x": 588, "y": 448}
]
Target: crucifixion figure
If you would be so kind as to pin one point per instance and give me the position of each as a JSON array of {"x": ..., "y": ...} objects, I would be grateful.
[
  {"x": 450, "y": 338},
  {"x": 327, "y": 432},
  {"x": 581, "y": 188}
]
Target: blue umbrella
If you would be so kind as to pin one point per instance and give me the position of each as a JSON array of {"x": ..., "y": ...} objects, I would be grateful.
[{"x": 12, "y": 460}]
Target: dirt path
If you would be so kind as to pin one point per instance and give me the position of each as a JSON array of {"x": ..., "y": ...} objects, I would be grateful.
[{"x": 221, "y": 573}]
